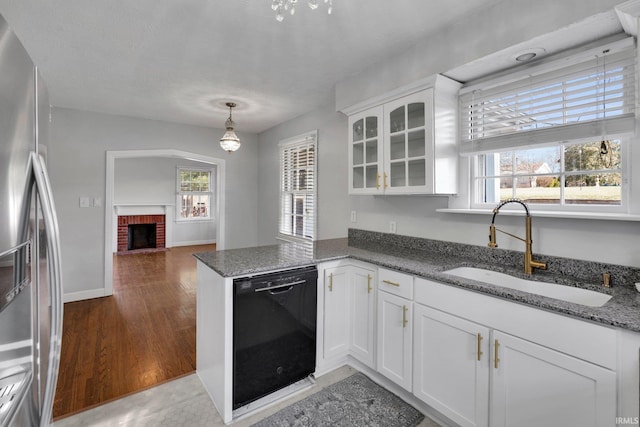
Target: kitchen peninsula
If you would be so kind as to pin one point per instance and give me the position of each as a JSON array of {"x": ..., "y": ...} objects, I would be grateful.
[{"x": 607, "y": 336}]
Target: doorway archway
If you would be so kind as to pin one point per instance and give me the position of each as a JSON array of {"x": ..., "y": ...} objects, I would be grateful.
[{"x": 109, "y": 225}]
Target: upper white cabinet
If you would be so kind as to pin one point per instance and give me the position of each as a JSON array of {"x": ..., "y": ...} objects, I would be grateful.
[
  {"x": 365, "y": 152},
  {"x": 404, "y": 142}
]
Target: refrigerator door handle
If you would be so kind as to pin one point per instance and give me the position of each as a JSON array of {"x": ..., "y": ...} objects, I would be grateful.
[{"x": 53, "y": 251}]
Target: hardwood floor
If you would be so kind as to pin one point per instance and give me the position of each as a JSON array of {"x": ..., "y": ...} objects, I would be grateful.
[{"x": 142, "y": 335}]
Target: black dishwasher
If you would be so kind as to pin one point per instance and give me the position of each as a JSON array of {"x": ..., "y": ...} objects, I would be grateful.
[{"x": 274, "y": 332}]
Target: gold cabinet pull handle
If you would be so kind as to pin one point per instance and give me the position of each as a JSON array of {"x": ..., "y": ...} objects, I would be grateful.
[
  {"x": 377, "y": 181},
  {"x": 331, "y": 282},
  {"x": 496, "y": 359},
  {"x": 369, "y": 288},
  {"x": 389, "y": 282},
  {"x": 404, "y": 316},
  {"x": 385, "y": 180},
  {"x": 479, "y": 338}
]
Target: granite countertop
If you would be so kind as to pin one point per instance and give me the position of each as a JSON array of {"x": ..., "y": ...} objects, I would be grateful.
[{"x": 429, "y": 259}]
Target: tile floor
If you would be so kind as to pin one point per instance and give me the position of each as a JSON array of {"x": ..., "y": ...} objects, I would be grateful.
[{"x": 182, "y": 403}]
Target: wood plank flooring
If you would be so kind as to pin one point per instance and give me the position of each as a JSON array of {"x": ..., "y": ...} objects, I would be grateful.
[{"x": 142, "y": 335}]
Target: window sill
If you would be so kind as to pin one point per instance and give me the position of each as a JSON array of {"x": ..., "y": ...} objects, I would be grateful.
[{"x": 549, "y": 214}]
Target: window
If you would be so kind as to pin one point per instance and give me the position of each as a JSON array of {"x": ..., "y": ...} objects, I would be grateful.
[
  {"x": 298, "y": 187},
  {"x": 194, "y": 194},
  {"x": 555, "y": 134}
]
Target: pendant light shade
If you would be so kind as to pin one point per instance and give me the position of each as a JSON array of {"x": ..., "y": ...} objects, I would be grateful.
[{"x": 230, "y": 141}]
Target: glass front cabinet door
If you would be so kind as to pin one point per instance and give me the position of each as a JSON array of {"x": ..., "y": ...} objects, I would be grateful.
[
  {"x": 406, "y": 144},
  {"x": 409, "y": 149},
  {"x": 365, "y": 152}
]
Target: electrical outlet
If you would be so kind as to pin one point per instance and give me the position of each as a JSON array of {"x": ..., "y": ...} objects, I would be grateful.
[
  {"x": 354, "y": 216},
  {"x": 392, "y": 227}
]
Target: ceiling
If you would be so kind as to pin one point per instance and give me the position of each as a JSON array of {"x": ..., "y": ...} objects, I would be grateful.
[{"x": 182, "y": 60}]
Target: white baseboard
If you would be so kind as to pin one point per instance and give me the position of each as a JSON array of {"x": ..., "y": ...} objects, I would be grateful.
[
  {"x": 193, "y": 243},
  {"x": 83, "y": 295}
]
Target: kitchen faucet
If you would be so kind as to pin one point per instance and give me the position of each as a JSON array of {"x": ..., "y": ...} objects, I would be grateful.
[{"x": 529, "y": 263}]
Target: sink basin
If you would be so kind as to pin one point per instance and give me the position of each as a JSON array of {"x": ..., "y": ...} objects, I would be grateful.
[{"x": 561, "y": 292}]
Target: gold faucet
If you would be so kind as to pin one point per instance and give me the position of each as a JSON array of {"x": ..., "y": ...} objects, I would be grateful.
[{"x": 529, "y": 263}]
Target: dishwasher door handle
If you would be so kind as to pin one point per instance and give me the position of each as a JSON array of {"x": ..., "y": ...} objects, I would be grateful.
[{"x": 285, "y": 285}]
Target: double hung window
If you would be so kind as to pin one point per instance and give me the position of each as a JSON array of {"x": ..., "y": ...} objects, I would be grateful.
[
  {"x": 298, "y": 176},
  {"x": 194, "y": 194},
  {"x": 555, "y": 134}
]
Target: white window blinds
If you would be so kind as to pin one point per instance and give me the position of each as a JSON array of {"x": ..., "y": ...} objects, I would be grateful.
[
  {"x": 568, "y": 99},
  {"x": 298, "y": 186}
]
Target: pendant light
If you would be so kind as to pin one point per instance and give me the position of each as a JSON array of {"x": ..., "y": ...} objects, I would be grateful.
[{"x": 230, "y": 141}]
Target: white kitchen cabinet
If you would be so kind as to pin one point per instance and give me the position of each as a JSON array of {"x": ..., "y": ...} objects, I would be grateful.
[
  {"x": 404, "y": 142},
  {"x": 451, "y": 366},
  {"x": 363, "y": 315},
  {"x": 395, "y": 338},
  {"x": 536, "y": 386},
  {"x": 336, "y": 312},
  {"x": 544, "y": 368},
  {"x": 408, "y": 148},
  {"x": 365, "y": 152}
]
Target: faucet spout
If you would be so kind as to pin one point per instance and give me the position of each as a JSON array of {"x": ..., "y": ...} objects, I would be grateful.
[{"x": 529, "y": 262}]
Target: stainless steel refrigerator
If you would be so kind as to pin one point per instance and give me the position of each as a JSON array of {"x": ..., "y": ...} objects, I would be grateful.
[{"x": 30, "y": 287}]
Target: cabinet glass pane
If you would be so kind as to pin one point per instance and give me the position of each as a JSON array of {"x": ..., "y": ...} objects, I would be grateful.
[
  {"x": 358, "y": 130},
  {"x": 417, "y": 172},
  {"x": 396, "y": 120},
  {"x": 415, "y": 115},
  {"x": 416, "y": 143},
  {"x": 372, "y": 173},
  {"x": 372, "y": 151},
  {"x": 358, "y": 153},
  {"x": 372, "y": 127},
  {"x": 397, "y": 175},
  {"x": 358, "y": 177},
  {"x": 396, "y": 147}
]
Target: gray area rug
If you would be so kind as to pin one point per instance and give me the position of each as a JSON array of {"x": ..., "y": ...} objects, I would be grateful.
[{"x": 354, "y": 401}]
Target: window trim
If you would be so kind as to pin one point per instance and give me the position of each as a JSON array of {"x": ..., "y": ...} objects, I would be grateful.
[
  {"x": 311, "y": 138},
  {"x": 180, "y": 193}
]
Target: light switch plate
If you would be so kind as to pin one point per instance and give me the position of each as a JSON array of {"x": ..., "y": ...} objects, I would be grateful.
[{"x": 85, "y": 202}]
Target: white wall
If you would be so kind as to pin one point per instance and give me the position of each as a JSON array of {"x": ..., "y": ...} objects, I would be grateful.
[
  {"x": 77, "y": 166},
  {"x": 152, "y": 181},
  {"x": 332, "y": 173}
]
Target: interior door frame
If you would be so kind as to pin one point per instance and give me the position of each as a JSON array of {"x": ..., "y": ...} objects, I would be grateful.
[{"x": 112, "y": 156}]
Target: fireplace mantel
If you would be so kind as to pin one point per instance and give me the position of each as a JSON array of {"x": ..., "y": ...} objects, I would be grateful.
[{"x": 131, "y": 209}]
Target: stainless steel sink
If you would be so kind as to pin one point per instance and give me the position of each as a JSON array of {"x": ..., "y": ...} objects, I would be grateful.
[{"x": 561, "y": 292}]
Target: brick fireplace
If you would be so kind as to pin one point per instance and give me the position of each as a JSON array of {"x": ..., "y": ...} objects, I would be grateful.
[{"x": 123, "y": 229}]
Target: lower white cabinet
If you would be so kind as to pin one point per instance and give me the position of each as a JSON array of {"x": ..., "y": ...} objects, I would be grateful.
[
  {"x": 451, "y": 366},
  {"x": 395, "y": 338},
  {"x": 363, "y": 310},
  {"x": 348, "y": 314},
  {"x": 482, "y": 361},
  {"x": 336, "y": 312},
  {"x": 536, "y": 386}
]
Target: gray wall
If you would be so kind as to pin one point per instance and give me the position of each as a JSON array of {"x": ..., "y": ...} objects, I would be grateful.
[
  {"x": 503, "y": 25},
  {"x": 152, "y": 181},
  {"x": 77, "y": 166},
  {"x": 332, "y": 173},
  {"x": 492, "y": 29}
]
